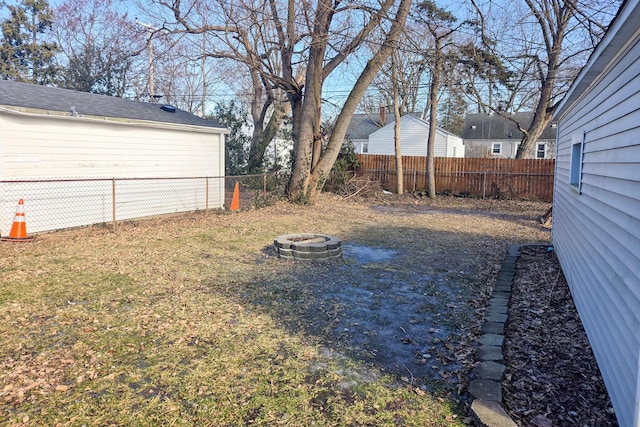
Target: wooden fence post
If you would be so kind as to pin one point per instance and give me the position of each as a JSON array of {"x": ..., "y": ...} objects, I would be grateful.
[
  {"x": 484, "y": 185},
  {"x": 521, "y": 178}
]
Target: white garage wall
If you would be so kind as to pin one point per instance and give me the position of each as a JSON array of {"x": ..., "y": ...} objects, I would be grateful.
[{"x": 47, "y": 148}]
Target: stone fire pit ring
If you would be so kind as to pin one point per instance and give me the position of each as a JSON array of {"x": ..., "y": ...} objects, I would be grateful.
[{"x": 308, "y": 247}]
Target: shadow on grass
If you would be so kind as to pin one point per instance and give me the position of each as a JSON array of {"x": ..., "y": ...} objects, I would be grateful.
[
  {"x": 427, "y": 210},
  {"x": 159, "y": 327},
  {"x": 407, "y": 302}
]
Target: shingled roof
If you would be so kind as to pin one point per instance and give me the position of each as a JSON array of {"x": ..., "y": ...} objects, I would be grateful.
[
  {"x": 31, "y": 96},
  {"x": 363, "y": 125},
  {"x": 493, "y": 126}
]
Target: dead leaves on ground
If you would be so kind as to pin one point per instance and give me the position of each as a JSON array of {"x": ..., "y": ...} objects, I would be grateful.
[
  {"x": 173, "y": 290},
  {"x": 552, "y": 376},
  {"x": 37, "y": 374}
]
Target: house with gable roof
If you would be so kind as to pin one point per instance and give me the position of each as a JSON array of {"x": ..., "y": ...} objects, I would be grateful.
[
  {"x": 492, "y": 135},
  {"x": 374, "y": 134},
  {"x": 49, "y": 134}
]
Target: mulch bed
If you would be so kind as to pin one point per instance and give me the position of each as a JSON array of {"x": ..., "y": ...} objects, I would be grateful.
[{"x": 552, "y": 376}]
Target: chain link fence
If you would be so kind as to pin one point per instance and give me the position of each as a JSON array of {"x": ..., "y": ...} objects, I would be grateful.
[{"x": 56, "y": 204}]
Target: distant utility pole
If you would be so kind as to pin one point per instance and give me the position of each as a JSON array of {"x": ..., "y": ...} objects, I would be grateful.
[
  {"x": 150, "y": 30},
  {"x": 204, "y": 74}
]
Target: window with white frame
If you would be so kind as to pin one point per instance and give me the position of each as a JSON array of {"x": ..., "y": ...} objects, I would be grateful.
[
  {"x": 365, "y": 147},
  {"x": 577, "y": 154},
  {"x": 541, "y": 151},
  {"x": 496, "y": 148}
]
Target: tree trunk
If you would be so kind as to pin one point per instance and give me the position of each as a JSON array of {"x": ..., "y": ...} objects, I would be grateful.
[
  {"x": 396, "y": 127},
  {"x": 302, "y": 152},
  {"x": 399, "y": 168},
  {"x": 526, "y": 150},
  {"x": 263, "y": 135},
  {"x": 309, "y": 113},
  {"x": 544, "y": 112},
  {"x": 433, "y": 115},
  {"x": 306, "y": 182},
  {"x": 542, "y": 115},
  {"x": 554, "y": 27}
]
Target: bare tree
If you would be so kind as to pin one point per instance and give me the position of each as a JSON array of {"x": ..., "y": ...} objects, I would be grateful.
[
  {"x": 244, "y": 32},
  {"x": 426, "y": 71},
  {"x": 543, "y": 49},
  {"x": 310, "y": 169},
  {"x": 292, "y": 47},
  {"x": 410, "y": 73},
  {"x": 100, "y": 47},
  {"x": 441, "y": 25},
  {"x": 396, "y": 125}
]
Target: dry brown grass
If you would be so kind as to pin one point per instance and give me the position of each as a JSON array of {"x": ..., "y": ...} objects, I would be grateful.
[{"x": 192, "y": 320}]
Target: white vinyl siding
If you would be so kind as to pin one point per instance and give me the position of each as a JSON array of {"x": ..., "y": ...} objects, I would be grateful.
[
  {"x": 64, "y": 148},
  {"x": 38, "y": 147},
  {"x": 596, "y": 230},
  {"x": 414, "y": 136}
]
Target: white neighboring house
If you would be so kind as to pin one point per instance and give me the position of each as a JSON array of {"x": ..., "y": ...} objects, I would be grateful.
[
  {"x": 375, "y": 135},
  {"x": 48, "y": 134},
  {"x": 279, "y": 150},
  {"x": 596, "y": 206}
]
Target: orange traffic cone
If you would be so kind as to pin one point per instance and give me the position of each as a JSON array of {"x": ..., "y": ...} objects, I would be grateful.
[
  {"x": 19, "y": 228},
  {"x": 235, "y": 201}
]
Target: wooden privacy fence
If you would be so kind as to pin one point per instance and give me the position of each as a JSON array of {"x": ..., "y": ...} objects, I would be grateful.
[{"x": 473, "y": 177}]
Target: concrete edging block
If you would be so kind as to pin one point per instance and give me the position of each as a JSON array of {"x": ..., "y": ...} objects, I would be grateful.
[{"x": 486, "y": 390}]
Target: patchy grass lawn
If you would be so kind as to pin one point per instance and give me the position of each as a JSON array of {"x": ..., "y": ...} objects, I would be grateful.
[{"x": 192, "y": 320}]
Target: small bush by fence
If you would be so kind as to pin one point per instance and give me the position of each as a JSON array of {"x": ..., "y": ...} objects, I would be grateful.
[
  {"x": 65, "y": 203},
  {"x": 473, "y": 177}
]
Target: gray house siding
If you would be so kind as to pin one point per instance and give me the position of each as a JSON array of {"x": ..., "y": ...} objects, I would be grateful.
[
  {"x": 481, "y": 131},
  {"x": 596, "y": 229}
]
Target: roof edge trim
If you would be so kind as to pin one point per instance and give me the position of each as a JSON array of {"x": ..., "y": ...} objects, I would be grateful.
[{"x": 59, "y": 115}]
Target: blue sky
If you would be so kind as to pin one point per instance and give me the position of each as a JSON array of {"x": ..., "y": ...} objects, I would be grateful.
[{"x": 337, "y": 86}]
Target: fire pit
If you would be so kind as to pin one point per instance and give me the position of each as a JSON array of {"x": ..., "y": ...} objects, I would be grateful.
[{"x": 308, "y": 246}]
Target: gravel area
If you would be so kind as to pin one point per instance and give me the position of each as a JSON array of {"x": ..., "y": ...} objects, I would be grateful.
[{"x": 552, "y": 376}]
